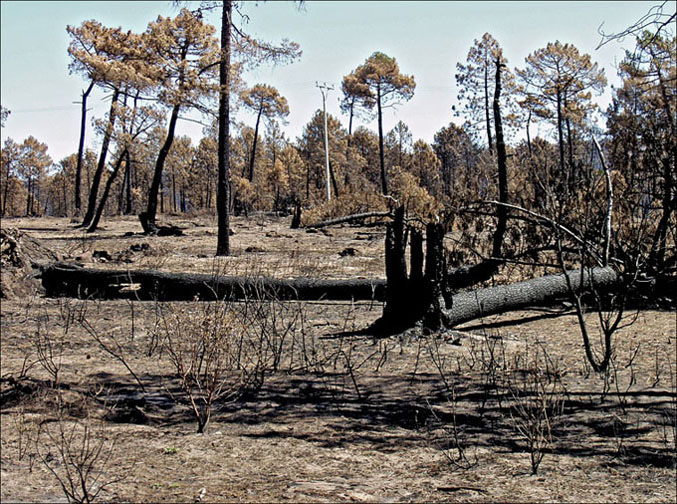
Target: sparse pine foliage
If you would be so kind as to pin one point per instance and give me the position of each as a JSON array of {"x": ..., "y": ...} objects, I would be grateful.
[
  {"x": 264, "y": 101},
  {"x": 379, "y": 83},
  {"x": 559, "y": 81},
  {"x": 475, "y": 79}
]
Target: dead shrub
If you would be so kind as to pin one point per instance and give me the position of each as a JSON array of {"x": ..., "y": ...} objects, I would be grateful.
[
  {"x": 77, "y": 453},
  {"x": 214, "y": 355},
  {"x": 538, "y": 397}
]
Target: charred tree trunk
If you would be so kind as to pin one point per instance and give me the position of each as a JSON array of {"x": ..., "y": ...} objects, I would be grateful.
[
  {"x": 381, "y": 154},
  {"x": 528, "y": 133},
  {"x": 94, "y": 190},
  {"x": 486, "y": 106},
  {"x": 436, "y": 293},
  {"x": 67, "y": 280},
  {"x": 106, "y": 192},
  {"x": 467, "y": 276},
  {"x": 502, "y": 159},
  {"x": 128, "y": 184},
  {"x": 81, "y": 148},
  {"x": 418, "y": 298},
  {"x": 222, "y": 188},
  {"x": 396, "y": 310},
  {"x": 63, "y": 280},
  {"x": 252, "y": 160},
  {"x": 296, "y": 219},
  {"x": 148, "y": 219},
  {"x": 560, "y": 135},
  {"x": 333, "y": 180}
]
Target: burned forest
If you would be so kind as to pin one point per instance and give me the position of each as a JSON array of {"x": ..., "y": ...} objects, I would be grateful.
[{"x": 356, "y": 314}]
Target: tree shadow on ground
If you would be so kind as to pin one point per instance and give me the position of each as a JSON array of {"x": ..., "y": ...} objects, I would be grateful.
[
  {"x": 387, "y": 413},
  {"x": 390, "y": 414}
]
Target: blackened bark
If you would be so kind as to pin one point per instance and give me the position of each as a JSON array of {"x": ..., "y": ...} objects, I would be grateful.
[
  {"x": 570, "y": 148},
  {"x": 502, "y": 159},
  {"x": 106, "y": 191},
  {"x": 8, "y": 174},
  {"x": 29, "y": 194},
  {"x": 222, "y": 188},
  {"x": 256, "y": 135},
  {"x": 416, "y": 255},
  {"x": 62, "y": 280},
  {"x": 94, "y": 190},
  {"x": 528, "y": 133},
  {"x": 333, "y": 180},
  {"x": 486, "y": 105},
  {"x": 123, "y": 188},
  {"x": 128, "y": 184},
  {"x": 296, "y": 219},
  {"x": 81, "y": 148},
  {"x": 436, "y": 297},
  {"x": 384, "y": 177},
  {"x": 397, "y": 308},
  {"x": 418, "y": 299},
  {"x": 560, "y": 133},
  {"x": 471, "y": 275},
  {"x": 151, "y": 210}
]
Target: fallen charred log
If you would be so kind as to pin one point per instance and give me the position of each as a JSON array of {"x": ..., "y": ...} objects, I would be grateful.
[
  {"x": 349, "y": 218},
  {"x": 63, "y": 280}
]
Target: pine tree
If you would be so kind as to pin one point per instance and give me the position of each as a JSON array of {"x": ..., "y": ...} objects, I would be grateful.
[
  {"x": 265, "y": 101},
  {"x": 380, "y": 84}
]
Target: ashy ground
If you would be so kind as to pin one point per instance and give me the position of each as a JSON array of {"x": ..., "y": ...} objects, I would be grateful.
[{"x": 339, "y": 416}]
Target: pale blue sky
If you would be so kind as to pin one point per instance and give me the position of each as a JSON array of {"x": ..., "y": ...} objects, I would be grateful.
[{"x": 426, "y": 38}]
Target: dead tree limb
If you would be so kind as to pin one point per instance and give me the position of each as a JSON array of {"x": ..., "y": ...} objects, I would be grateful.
[
  {"x": 349, "y": 218},
  {"x": 550, "y": 222}
]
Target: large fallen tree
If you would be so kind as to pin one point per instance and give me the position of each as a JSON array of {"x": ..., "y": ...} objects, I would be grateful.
[{"x": 65, "y": 280}]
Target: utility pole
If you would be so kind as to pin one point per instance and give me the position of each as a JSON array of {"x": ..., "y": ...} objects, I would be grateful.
[{"x": 324, "y": 89}]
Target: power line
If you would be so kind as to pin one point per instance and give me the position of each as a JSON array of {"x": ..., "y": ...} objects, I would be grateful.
[{"x": 43, "y": 109}]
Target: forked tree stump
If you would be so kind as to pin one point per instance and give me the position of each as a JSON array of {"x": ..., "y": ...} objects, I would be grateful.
[{"x": 421, "y": 297}]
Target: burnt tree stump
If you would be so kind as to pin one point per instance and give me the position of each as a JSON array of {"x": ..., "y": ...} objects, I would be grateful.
[{"x": 420, "y": 298}]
